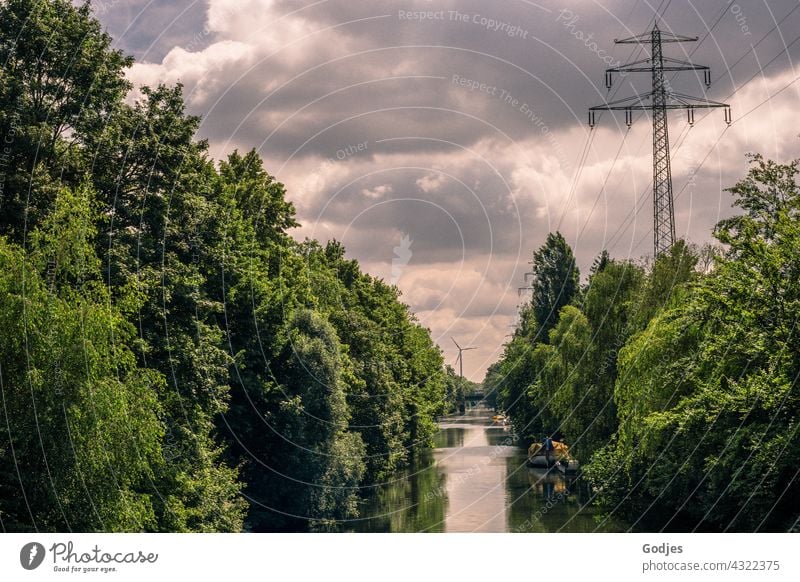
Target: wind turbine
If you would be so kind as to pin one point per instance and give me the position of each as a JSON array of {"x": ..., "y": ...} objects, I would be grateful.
[{"x": 460, "y": 358}]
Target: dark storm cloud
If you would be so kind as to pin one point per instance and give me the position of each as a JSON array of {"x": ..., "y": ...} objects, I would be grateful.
[
  {"x": 556, "y": 68},
  {"x": 149, "y": 29},
  {"x": 351, "y": 73},
  {"x": 472, "y": 122}
]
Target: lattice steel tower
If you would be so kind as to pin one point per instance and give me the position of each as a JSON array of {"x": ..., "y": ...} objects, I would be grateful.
[{"x": 660, "y": 100}]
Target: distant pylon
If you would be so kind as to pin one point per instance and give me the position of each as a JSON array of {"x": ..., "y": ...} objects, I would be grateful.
[{"x": 659, "y": 101}]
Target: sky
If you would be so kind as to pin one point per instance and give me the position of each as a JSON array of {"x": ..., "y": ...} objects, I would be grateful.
[{"x": 441, "y": 141}]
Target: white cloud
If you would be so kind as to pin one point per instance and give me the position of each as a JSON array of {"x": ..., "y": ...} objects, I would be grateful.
[
  {"x": 430, "y": 182},
  {"x": 199, "y": 71},
  {"x": 377, "y": 192}
]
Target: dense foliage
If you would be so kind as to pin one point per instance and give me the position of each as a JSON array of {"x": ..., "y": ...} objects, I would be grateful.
[
  {"x": 170, "y": 358},
  {"x": 677, "y": 386}
]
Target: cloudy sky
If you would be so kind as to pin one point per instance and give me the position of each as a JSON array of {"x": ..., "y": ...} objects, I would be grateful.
[{"x": 442, "y": 140}]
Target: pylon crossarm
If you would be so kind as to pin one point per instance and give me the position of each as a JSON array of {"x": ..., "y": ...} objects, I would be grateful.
[
  {"x": 621, "y": 104},
  {"x": 647, "y": 38},
  {"x": 687, "y": 66},
  {"x": 638, "y": 39},
  {"x": 624, "y": 68},
  {"x": 650, "y": 107},
  {"x": 675, "y": 66},
  {"x": 644, "y": 102},
  {"x": 670, "y": 37},
  {"x": 698, "y": 102},
  {"x": 628, "y": 69}
]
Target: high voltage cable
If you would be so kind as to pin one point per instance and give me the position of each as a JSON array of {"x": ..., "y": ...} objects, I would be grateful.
[
  {"x": 587, "y": 148},
  {"x": 687, "y": 131},
  {"x": 783, "y": 51},
  {"x": 605, "y": 182},
  {"x": 768, "y": 99},
  {"x": 773, "y": 29},
  {"x": 697, "y": 169},
  {"x": 722, "y": 13},
  {"x": 660, "y": 100},
  {"x": 683, "y": 133},
  {"x": 590, "y": 137},
  {"x": 706, "y": 35}
]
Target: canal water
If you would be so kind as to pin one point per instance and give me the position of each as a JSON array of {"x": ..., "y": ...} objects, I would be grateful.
[{"x": 476, "y": 480}]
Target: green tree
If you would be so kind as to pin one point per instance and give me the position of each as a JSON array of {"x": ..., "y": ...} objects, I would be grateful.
[
  {"x": 555, "y": 281},
  {"x": 59, "y": 83},
  {"x": 163, "y": 244},
  {"x": 511, "y": 379},
  {"x": 670, "y": 273},
  {"x": 316, "y": 469},
  {"x": 564, "y": 363},
  {"x": 517, "y": 379},
  {"x": 572, "y": 394},
  {"x": 609, "y": 304},
  {"x": 401, "y": 385}
]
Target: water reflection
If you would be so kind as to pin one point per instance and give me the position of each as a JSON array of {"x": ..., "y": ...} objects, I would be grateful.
[
  {"x": 476, "y": 480},
  {"x": 409, "y": 503},
  {"x": 449, "y": 437}
]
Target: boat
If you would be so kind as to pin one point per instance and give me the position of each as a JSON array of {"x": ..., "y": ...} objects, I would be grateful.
[
  {"x": 500, "y": 419},
  {"x": 569, "y": 466},
  {"x": 538, "y": 458},
  {"x": 540, "y": 461}
]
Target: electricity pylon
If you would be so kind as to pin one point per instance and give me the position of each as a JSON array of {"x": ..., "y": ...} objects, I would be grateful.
[
  {"x": 460, "y": 358},
  {"x": 659, "y": 100}
]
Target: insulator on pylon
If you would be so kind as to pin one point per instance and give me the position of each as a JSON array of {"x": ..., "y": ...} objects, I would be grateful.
[
  {"x": 628, "y": 117},
  {"x": 609, "y": 80},
  {"x": 707, "y": 75},
  {"x": 690, "y": 115},
  {"x": 591, "y": 118},
  {"x": 728, "y": 115}
]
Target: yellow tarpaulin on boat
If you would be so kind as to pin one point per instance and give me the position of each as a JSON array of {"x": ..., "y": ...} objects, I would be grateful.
[{"x": 559, "y": 449}]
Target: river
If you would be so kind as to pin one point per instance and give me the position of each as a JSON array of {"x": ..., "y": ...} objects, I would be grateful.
[{"x": 476, "y": 480}]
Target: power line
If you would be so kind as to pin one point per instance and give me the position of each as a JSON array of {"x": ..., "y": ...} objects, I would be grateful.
[
  {"x": 738, "y": 119},
  {"x": 605, "y": 182},
  {"x": 773, "y": 29},
  {"x": 760, "y": 69}
]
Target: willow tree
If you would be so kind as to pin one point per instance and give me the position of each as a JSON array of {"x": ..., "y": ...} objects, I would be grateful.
[{"x": 707, "y": 394}]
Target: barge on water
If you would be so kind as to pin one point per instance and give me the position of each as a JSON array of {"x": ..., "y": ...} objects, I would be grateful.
[{"x": 539, "y": 456}]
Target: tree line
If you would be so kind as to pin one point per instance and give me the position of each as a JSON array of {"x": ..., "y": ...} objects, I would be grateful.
[
  {"x": 171, "y": 359},
  {"x": 675, "y": 385}
]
